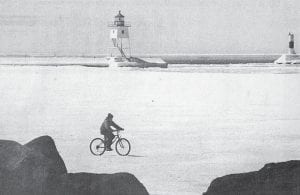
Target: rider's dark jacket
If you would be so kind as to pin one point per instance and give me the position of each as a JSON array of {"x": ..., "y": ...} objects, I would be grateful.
[{"x": 106, "y": 126}]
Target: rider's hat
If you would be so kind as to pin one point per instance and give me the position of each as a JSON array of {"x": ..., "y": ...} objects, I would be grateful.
[{"x": 109, "y": 115}]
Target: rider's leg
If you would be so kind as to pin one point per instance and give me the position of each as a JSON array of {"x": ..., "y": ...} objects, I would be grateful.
[
  {"x": 105, "y": 140},
  {"x": 106, "y": 135},
  {"x": 110, "y": 137}
]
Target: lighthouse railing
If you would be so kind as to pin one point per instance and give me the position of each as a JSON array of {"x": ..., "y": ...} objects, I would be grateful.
[{"x": 113, "y": 24}]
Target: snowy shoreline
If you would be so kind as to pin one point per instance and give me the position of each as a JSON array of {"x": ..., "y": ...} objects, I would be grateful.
[{"x": 100, "y": 61}]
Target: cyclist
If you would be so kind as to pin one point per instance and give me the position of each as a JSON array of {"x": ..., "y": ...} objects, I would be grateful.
[{"x": 106, "y": 130}]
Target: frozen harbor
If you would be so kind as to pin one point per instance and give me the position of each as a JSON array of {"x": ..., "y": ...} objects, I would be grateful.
[{"x": 187, "y": 124}]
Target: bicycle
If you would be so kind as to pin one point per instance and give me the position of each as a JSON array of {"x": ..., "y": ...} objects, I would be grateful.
[{"x": 122, "y": 146}]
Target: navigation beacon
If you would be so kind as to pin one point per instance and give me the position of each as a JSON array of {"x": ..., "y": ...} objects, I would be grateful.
[
  {"x": 119, "y": 34},
  {"x": 291, "y": 57},
  {"x": 291, "y": 44}
]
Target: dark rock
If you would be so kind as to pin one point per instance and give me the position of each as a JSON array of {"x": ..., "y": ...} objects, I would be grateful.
[
  {"x": 36, "y": 168},
  {"x": 102, "y": 184},
  {"x": 25, "y": 170},
  {"x": 273, "y": 179},
  {"x": 46, "y": 146}
]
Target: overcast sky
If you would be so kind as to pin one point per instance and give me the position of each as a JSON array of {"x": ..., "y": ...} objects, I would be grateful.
[{"x": 79, "y": 27}]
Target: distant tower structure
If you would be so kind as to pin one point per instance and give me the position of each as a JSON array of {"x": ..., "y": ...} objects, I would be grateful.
[
  {"x": 291, "y": 44},
  {"x": 119, "y": 34},
  {"x": 291, "y": 57}
]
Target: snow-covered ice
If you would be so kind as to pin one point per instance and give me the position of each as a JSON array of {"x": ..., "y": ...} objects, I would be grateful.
[{"x": 187, "y": 125}]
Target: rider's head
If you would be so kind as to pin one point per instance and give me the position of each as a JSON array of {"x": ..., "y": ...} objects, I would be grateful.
[{"x": 109, "y": 116}]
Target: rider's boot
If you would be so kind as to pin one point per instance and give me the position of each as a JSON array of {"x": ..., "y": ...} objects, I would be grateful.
[{"x": 108, "y": 148}]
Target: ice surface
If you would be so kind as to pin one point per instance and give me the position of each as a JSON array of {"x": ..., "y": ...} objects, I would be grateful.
[
  {"x": 54, "y": 61},
  {"x": 187, "y": 124},
  {"x": 170, "y": 59}
]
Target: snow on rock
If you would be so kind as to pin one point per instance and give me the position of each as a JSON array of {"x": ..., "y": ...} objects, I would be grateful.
[{"x": 288, "y": 59}]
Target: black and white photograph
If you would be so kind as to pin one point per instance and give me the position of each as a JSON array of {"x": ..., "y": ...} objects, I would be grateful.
[{"x": 149, "y": 97}]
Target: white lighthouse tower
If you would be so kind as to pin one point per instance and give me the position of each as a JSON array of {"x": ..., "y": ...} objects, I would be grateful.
[
  {"x": 119, "y": 34},
  {"x": 291, "y": 57},
  {"x": 291, "y": 44}
]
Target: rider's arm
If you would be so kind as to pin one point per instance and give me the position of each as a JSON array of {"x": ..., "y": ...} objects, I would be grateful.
[{"x": 116, "y": 126}]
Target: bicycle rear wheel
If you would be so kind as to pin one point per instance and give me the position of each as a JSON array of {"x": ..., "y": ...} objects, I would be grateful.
[
  {"x": 123, "y": 147},
  {"x": 97, "y": 146}
]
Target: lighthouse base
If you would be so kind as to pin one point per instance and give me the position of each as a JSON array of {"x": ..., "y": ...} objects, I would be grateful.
[
  {"x": 114, "y": 62},
  {"x": 288, "y": 59}
]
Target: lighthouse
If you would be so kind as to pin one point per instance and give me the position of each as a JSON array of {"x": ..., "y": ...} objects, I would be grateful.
[
  {"x": 291, "y": 44},
  {"x": 119, "y": 34},
  {"x": 291, "y": 57}
]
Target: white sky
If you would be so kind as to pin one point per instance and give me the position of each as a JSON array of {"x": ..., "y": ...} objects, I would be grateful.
[{"x": 79, "y": 27}]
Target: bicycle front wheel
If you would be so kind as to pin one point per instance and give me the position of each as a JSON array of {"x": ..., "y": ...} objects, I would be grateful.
[
  {"x": 123, "y": 147},
  {"x": 97, "y": 146}
]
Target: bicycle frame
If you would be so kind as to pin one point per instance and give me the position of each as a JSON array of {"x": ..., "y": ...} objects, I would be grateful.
[{"x": 117, "y": 137}]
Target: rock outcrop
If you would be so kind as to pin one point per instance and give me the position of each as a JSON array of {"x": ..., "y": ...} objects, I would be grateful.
[
  {"x": 102, "y": 184},
  {"x": 36, "y": 168},
  {"x": 46, "y": 146},
  {"x": 25, "y": 170},
  {"x": 273, "y": 179}
]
